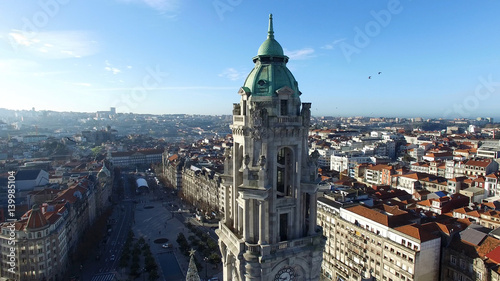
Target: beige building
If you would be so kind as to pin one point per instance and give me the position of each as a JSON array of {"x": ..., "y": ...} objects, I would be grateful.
[
  {"x": 40, "y": 247},
  {"x": 201, "y": 187},
  {"x": 376, "y": 244}
]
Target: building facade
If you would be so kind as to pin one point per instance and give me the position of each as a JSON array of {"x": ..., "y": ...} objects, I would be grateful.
[
  {"x": 40, "y": 245},
  {"x": 269, "y": 230},
  {"x": 373, "y": 244},
  {"x": 134, "y": 158}
]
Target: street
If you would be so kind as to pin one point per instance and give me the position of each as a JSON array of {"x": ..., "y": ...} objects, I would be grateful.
[{"x": 105, "y": 264}]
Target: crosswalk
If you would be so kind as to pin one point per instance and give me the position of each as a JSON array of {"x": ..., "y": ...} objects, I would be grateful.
[{"x": 104, "y": 277}]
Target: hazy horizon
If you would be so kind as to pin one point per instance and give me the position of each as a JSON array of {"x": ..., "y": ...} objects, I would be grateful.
[{"x": 357, "y": 58}]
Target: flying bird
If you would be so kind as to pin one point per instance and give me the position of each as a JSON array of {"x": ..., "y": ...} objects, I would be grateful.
[
  {"x": 379, "y": 72},
  {"x": 369, "y": 77}
]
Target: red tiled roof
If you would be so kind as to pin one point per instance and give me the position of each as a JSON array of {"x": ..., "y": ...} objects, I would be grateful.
[
  {"x": 36, "y": 219},
  {"x": 492, "y": 175},
  {"x": 473, "y": 214},
  {"x": 380, "y": 167},
  {"x": 487, "y": 246},
  {"x": 370, "y": 214},
  {"x": 478, "y": 163},
  {"x": 173, "y": 157},
  {"x": 460, "y": 211},
  {"x": 417, "y": 232},
  {"x": 494, "y": 255}
]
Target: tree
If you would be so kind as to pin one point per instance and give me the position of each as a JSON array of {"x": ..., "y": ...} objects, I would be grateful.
[
  {"x": 153, "y": 275},
  {"x": 214, "y": 259},
  {"x": 123, "y": 261},
  {"x": 96, "y": 151}
]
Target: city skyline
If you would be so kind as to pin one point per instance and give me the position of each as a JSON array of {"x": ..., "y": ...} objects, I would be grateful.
[{"x": 383, "y": 58}]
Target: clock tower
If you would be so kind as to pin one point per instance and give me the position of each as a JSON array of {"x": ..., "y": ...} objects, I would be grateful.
[{"x": 269, "y": 229}]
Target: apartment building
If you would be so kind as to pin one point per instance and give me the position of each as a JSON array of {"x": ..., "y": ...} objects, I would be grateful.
[
  {"x": 133, "y": 158},
  {"x": 41, "y": 251},
  {"x": 379, "y": 174},
  {"x": 472, "y": 255},
  {"x": 201, "y": 186},
  {"x": 376, "y": 244},
  {"x": 492, "y": 184},
  {"x": 480, "y": 167}
]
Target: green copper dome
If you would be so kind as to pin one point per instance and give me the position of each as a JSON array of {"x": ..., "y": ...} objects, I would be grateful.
[
  {"x": 270, "y": 47},
  {"x": 270, "y": 73}
]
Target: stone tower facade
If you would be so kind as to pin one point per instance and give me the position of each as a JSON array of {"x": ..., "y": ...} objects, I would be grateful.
[{"x": 269, "y": 230}]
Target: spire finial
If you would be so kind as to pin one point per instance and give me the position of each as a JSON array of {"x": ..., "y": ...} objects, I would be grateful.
[{"x": 270, "y": 32}]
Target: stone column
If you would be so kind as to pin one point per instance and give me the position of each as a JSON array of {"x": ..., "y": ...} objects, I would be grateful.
[
  {"x": 262, "y": 223},
  {"x": 246, "y": 221},
  {"x": 312, "y": 213}
]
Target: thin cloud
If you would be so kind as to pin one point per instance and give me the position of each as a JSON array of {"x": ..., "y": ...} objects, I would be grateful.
[
  {"x": 301, "y": 54},
  {"x": 111, "y": 68},
  {"x": 53, "y": 44},
  {"x": 332, "y": 45},
  {"x": 232, "y": 74}
]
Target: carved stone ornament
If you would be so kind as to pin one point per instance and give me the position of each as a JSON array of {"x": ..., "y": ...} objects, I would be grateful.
[
  {"x": 262, "y": 162},
  {"x": 227, "y": 153},
  {"x": 236, "y": 109},
  {"x": 306, "y": 114},
  {"x": 256, "y": 117},
  {"x": 257, "y": 133},
  {"x": 246, "y": 160}
]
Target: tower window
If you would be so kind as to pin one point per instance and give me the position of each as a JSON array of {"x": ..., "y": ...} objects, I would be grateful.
[
  {"x": 284, "y": 172},
  {"x": 283, "y": 107},
  {"x": 283, "y": 227}
]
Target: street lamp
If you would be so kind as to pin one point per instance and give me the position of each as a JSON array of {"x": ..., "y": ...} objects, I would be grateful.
[{"x": 206, "y": 275}]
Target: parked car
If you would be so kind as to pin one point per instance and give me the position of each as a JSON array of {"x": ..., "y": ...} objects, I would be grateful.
[
  {"x": 112, "y": 258},
  {"x": 166, "y": 245}
]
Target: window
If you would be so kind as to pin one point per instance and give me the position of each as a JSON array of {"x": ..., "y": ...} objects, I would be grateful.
[
  {"x": 283, "y": 227},
  {"x": 283, "y": 107},
  {"x": 284, "y": 172}
]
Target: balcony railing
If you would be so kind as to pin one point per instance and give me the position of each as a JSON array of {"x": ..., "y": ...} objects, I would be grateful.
[
  {"x": 238, "y": 118},
  {"x": 288, "y": 119}
]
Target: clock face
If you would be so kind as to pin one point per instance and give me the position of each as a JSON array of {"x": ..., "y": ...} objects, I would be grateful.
[{"x": 285, "y": 274}]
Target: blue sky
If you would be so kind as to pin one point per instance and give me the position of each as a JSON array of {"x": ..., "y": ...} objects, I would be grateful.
[{"x": 436, "y": 58}]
